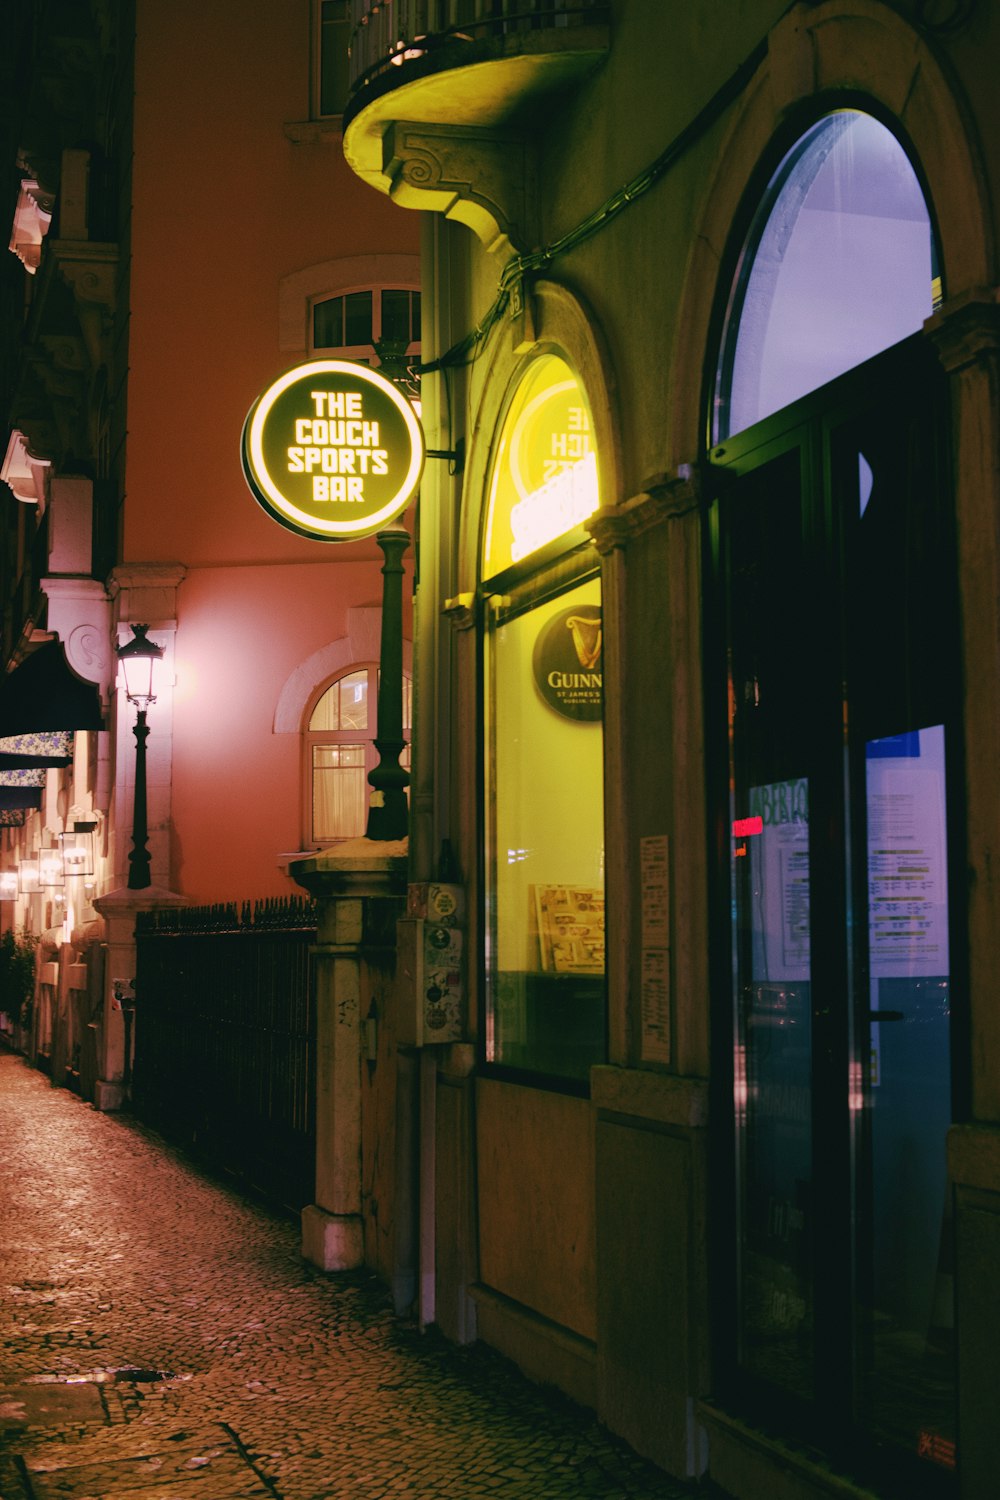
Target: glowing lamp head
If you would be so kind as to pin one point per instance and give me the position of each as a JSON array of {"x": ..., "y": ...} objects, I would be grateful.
[
  {"x": 8, "y": 885},
  {"x": 138, "y": 658},
  {"x": 50, "y": 867},
  {"x": 78, "y": 849}
]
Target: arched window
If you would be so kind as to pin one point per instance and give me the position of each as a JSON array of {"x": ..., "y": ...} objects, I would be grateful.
[
  {"x": 544, "y": 958},
  {"x": 339, "y": 752},
  {"x": 840, "y": 263}
]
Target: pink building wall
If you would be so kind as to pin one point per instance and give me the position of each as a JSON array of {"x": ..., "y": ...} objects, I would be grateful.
[{"x": 226, "y": 205}]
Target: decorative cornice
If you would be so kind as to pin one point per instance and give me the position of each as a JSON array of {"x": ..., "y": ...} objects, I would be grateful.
[
  {"x": 478, "y": 176},
  {"x": 664, "y": 499},
  {"x": 966, "y": 329},
  {"x": 327, "y": 132}
]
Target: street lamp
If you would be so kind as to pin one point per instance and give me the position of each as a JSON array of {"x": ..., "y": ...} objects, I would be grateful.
[
  {"x": 138, "y": 657},
  {"x": 388, "y": 810}
]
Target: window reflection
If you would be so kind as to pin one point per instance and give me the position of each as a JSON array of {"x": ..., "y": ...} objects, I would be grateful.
[{"x": 840, "y": 264}]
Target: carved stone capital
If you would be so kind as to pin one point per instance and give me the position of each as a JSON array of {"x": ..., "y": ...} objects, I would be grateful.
[
  {"x": 460, "y": 611},
  {"x": 79, "y": 613},
  {"x": 664, "y": 499},
  {"x": 89, "y": 270},
  {"x": 146, "y": 592},
  {"x": 480, "y": 177},
  {"x": 966, "y": 330}
]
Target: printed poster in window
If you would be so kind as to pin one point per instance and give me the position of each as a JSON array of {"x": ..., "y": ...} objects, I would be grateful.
[
  {"x": 776, "y": 839},
  {"x": 907, "y": 855},
  {"x": 570, "y": 928}
]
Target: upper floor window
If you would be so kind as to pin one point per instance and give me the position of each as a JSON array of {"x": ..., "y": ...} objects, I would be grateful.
[
  {"x": 358, "y": 323},
  {"x": 840, "y": 263},
  {"x": 340, "y": 752},
  {"x": 331, "y": 41}
]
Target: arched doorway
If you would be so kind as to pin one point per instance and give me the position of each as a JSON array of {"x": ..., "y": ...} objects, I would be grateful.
[{"x": 833, "y": 562}]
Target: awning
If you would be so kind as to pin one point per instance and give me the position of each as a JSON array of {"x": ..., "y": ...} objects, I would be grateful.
[
  {"x": 44, "y": 693},
  {"x": 50, "y": 747},
  {"x": 20, "y": 796}
]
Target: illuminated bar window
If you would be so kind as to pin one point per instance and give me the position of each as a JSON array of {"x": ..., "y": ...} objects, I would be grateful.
[{"x": 545, "y": 945}]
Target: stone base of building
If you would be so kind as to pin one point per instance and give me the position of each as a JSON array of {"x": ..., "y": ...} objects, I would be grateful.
[
  {"x": 752, "y": 1466},
  {"x": 108, "y": 1096},
  {"x": 543, "y": 1350},
  {"x": 333, "y": 1242}
]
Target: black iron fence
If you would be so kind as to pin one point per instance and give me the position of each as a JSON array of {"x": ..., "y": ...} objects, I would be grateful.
[{"x": 225, "y": 1039}]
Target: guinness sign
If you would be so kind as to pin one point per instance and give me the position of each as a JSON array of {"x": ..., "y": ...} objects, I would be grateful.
[{"x": 568, "y": 662}]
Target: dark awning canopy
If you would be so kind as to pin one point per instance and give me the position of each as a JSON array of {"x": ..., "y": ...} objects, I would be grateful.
[
  {"x": 20, "y": 796},
  {"x": 44, "y": 693}
]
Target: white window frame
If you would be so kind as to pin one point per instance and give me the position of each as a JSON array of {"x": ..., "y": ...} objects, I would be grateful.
[{"x": 337, "y": 737}]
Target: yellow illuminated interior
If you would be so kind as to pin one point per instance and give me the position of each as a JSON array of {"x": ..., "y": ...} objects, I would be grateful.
[{"x": 545, "y": 469}]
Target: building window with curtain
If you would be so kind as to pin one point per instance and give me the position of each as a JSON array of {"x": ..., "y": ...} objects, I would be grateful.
[{"x": 339, "y": 752}]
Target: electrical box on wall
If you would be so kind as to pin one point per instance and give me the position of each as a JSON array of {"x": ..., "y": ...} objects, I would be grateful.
[{"x": 431, "y": 943}]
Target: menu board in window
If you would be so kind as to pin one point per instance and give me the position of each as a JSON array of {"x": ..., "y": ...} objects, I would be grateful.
[{"x": 570, "y": 928}]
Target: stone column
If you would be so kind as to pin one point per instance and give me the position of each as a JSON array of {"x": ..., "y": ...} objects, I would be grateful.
[
  {"x": 361, "y": 889},
  {"x": 967, "y": 334},
  {"x": 119, "y": 909}
]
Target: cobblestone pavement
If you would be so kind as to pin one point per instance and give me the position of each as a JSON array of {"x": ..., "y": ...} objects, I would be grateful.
[{"x": 162, "y": 1339}]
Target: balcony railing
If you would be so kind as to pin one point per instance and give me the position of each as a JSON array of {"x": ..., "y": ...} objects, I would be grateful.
[{"x": 390, "y": 33}]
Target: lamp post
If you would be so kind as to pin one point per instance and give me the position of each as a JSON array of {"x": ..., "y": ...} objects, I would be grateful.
[
  {"x": 388, "y": 812},
  {"x": 138, "y": 657}
]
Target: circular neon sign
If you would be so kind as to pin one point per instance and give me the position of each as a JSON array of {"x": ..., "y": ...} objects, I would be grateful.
[{"x": 332, "y": 450}]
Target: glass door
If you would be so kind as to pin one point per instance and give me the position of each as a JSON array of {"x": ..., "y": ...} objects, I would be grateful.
[{"x": 833, "y": 548}]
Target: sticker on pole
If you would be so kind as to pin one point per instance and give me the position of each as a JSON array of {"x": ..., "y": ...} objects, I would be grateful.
[{"x": 332, "y": 450}]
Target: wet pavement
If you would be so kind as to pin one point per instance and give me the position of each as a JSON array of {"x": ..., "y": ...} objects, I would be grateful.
[{"x": 162, "y": 1339}]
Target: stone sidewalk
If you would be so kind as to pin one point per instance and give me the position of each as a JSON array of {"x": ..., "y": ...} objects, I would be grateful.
[{"x": 162, "y": 1339}]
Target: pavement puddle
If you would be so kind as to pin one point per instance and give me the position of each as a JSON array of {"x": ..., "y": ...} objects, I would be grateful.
[
  {"x": 50, "y": 1404},
  {"x": 206, "y": 1464}
]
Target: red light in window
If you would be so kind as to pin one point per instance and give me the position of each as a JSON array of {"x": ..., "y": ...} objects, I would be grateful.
[{"x": 744, "y": 827}]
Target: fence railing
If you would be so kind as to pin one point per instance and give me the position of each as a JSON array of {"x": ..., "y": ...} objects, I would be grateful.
[
  {"x": 387, "y": 32},
  {"x": 225, "y": 1039}
]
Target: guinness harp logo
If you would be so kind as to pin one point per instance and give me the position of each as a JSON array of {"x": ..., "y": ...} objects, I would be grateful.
[{"x": 568, "y": 662}]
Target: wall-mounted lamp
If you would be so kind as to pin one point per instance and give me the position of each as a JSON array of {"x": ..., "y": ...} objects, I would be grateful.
[
  {"x": 78, "y": 849},
  {"x": 8, "y": 885},
  {"x": 138, "y": 658},
  {"x": 50, "y": 868},
  {"x": 28, "y": 882}
]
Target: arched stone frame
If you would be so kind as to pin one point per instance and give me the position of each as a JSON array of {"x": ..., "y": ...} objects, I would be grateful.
[
  {"x": 297, "y": 291},
  {"x": 562, "y": 324},
  {"x": 306, "y": 684},
  {"x": 863, "y": 51},
  {"x": 302, "y": 686},
  {"x": 862, "y": 54},
  {"x": 815, "y": 55}
]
